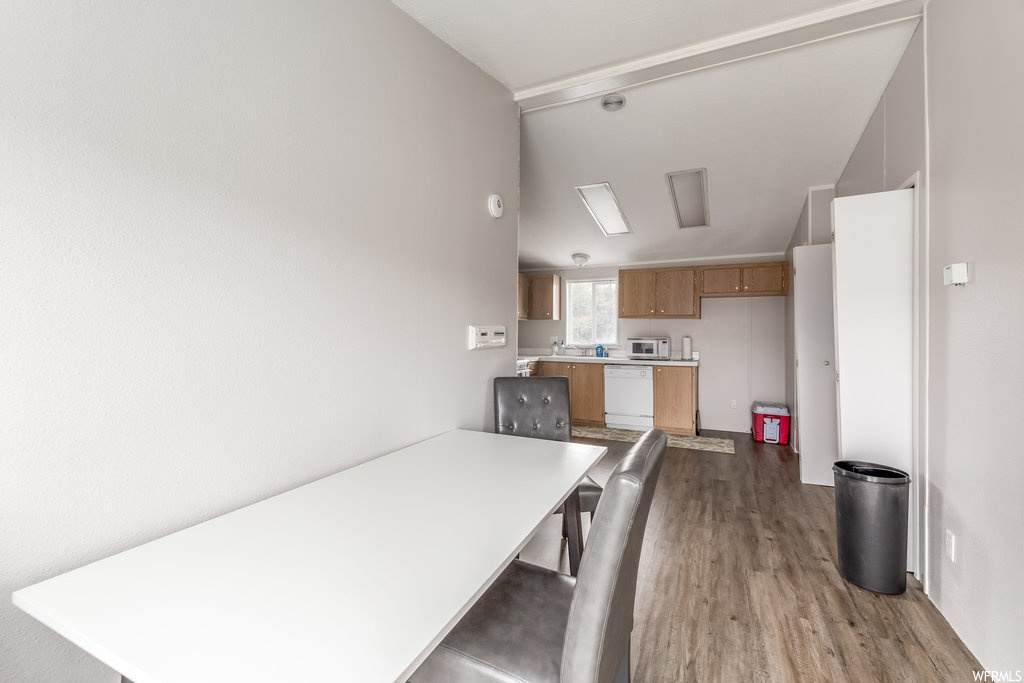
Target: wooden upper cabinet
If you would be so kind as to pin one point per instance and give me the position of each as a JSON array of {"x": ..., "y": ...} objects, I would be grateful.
[
  {"x": 545, "y": 298},
  {"x": 586, "y": 394},
  {"x": 675, "y": 399},
  {"x": 637, "y": 293},
  {"x": 765, "y": 278},
  {"x": 675, "y": 293},
  {"x": 658, "y": 293},
  {"x": 720, "y": 280},
  {"x": 745, "y": 279},
  {"x": 524, "y": 297}
]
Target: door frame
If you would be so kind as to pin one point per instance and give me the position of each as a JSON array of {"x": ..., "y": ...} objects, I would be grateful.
[{"x": 919, "y": 475}]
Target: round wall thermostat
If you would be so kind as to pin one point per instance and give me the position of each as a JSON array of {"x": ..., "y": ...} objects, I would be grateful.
[{"x": 495, "y": 206}]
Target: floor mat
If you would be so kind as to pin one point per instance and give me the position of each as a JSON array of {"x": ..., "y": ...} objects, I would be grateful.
[{"x": 699, "y": 443}]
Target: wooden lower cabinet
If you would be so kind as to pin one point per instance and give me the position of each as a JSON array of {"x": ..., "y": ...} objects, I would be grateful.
[
  {"x": 675, "y": 399},
  {"x": 546, "y": 368},
  {"x": 586, "y": 394},
  {"x": 586, "y": 389}
]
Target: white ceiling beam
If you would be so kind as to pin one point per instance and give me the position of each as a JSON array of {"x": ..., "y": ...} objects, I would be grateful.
[{"x": 809, "y": 28}]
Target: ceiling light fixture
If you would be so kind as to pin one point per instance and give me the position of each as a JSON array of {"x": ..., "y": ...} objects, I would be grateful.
[
  {"x": 689, "y": 190},
  {"x": 580, "y": 259},
  {"x": 600, "y": 201},
  {"x": 613, "y": 102}
]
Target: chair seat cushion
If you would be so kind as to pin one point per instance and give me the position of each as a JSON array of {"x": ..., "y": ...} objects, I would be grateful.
[
  {"x": 590, "y": 493},
  {"x": 515, "y": 632}
]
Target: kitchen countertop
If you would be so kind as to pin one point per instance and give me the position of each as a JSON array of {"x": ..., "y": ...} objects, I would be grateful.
[{"x": 613, "y": 361}]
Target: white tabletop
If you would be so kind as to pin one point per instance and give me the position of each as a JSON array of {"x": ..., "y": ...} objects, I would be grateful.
[{"x": 355, "y": 577}]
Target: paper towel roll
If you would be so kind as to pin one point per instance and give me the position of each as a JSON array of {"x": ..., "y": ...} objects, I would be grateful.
[{"x": 687, "y": 348}]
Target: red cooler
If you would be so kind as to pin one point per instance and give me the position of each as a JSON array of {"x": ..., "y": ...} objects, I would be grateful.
[{"x": 771, "y": 422}]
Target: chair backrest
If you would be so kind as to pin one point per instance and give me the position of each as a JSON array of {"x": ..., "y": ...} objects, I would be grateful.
[
  {"x": 533, "y": 406},
  {"x": 601, "y": 616}
]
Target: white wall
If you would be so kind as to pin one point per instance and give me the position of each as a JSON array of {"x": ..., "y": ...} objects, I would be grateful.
[
  {"x": 741, "y": 343},
  {"x": 820, "y": 200},
  {"x": 971, "y": 373},
  {"x": 201, "y": 248},
  {"x": 975, "y": 65},
  {"x": 892, "y": 147}
]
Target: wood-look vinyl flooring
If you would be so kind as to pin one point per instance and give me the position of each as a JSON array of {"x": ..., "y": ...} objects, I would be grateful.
[{"x": 738, "y": 581}]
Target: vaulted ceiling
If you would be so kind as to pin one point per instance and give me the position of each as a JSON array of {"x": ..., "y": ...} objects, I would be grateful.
[{"x": 770, "y": 98}]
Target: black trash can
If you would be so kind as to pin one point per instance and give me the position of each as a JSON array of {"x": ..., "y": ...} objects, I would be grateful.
[{"x": 872, "y": 503}]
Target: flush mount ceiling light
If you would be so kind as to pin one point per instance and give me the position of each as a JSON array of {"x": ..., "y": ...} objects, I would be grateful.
[
  {"x": 580, "y": 259},
  {"x": 601, "y": 202},
  {"x": 613, "y": 102},
  {"x": 689, "y": 190}
]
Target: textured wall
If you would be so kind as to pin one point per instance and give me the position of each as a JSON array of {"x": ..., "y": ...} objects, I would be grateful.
[
  {"x": 975, "y": 66},
  {"x": 971, "y": 371},
  {"x": 213, "y": 215}
]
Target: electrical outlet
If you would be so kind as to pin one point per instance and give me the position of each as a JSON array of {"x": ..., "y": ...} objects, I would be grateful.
[
  {"x": 732, "y": 403},
  {"x": 951, "y": 546}
]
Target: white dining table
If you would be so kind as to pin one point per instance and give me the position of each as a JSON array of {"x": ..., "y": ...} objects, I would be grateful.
[{"x": 354, "y": 577}]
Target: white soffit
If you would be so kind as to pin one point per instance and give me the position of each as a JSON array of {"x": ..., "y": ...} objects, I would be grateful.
[
  {"x": 765, "y": 129},
  {"x": 535, "y": 47}
]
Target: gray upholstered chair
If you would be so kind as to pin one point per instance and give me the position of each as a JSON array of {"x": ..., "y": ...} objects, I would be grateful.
[
  {"x": 535, "y": 625},
  {"x": 539, "y": 407}
]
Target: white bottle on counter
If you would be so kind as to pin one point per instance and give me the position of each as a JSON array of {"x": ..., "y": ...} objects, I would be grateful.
[{"x": 687, "y": 348}]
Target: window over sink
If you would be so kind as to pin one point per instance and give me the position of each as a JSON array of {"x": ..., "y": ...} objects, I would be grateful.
[{"x": 592, "y": 312}]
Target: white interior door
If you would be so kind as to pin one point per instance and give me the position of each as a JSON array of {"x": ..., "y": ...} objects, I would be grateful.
[
  {"x": 873, "y": 273},
  {"x": 814, "y": 340}
]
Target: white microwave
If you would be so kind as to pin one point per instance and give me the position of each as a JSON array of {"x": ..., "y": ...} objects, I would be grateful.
[{"x": 642, "y": 348}]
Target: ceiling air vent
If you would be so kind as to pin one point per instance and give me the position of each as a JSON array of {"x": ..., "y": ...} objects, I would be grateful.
[
  {"x": 601, "y": 202},
  {"x": 689, "y": 190}
]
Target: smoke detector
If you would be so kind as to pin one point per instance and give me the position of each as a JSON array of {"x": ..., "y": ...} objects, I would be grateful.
[{"x": 613, "y": 102}]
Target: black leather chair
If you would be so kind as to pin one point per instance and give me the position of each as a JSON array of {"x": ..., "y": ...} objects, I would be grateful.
[
  {"x": 535, "y": 625},
  {"x": 539, "y": 407}
]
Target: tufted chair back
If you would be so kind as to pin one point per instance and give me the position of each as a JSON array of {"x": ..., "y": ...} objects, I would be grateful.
[{"x": 533, "y": 406}]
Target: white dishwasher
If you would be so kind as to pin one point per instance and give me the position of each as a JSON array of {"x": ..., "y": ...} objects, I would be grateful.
[{"x": 629, "y": 396}]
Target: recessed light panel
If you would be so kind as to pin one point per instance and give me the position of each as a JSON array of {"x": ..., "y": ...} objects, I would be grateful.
[
  {"x": 601, "y": 202},
  {"x": 689, "y": 190}
]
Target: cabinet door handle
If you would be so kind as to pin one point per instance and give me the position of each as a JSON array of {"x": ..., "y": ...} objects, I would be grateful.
[{"x": 652, "y": 310}]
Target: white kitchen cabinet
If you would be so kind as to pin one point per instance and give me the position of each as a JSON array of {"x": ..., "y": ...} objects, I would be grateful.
[{"x": 873, "y": 290}]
